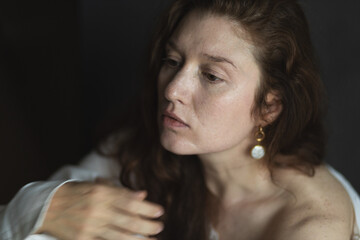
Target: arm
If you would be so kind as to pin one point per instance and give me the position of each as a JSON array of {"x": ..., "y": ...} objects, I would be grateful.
[{"x": 25, "y": 212}]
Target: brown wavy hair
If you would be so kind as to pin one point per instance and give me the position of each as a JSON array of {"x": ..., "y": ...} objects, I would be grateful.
[{"x": 283, "y": 50}]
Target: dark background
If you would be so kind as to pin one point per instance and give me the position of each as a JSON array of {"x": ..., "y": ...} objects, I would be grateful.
[{"x": 67, "y": 66}]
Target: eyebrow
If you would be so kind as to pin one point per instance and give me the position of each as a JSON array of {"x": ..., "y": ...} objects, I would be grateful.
[
  {"x": 208, "y": 56},
  {"x": 219, "y": 59},
  {"x": 172, "y": 45}
]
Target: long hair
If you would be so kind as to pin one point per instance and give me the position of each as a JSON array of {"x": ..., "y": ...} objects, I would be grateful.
[{"x": 284, "y": 54}]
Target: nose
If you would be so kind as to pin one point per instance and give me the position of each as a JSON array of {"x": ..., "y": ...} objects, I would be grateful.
[{"x": 179, "y": 87}]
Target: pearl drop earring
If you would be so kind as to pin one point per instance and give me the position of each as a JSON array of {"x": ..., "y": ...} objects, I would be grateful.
[{"x": 258, "y": 151}]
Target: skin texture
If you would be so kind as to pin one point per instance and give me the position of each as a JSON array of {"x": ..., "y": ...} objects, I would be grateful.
[
  {"x": 100, "y": 211},
  {"x": 208, "y": 79},
  {"x": 213, "y": 96}
]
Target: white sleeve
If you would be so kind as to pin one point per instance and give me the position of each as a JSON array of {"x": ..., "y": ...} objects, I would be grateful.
[
  {"x": 25, "y": 212},
  {"x": 91, "y": 167}
]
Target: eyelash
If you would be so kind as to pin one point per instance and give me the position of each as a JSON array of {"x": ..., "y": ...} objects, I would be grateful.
[
  {"x": 210, "y": 78},
  {"x": 172, "y": 63}
]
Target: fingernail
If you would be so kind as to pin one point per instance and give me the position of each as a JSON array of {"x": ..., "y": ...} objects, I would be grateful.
[{"x": 159, "y": 213}]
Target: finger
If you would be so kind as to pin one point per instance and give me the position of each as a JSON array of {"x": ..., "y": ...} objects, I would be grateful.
[
  {"x": 137, "y": 225},
  {"x": 139, "y": 195},
  {"x": 137, "y": 207},
  {"x": 116, "y": 234}
]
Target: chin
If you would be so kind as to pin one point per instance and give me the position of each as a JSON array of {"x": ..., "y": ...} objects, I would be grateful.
[{"x": 178, "y": 147}]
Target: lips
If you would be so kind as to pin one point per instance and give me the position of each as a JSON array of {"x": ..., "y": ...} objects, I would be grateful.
[{"x": 171, "y": 119}]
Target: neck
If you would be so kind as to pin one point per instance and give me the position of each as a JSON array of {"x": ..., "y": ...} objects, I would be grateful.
[{"x": 234, "y": 177}]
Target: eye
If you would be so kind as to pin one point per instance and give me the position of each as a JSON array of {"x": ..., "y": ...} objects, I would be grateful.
[
  {"x": 212, "y": 78},
  {"x": 171, "y": 62}
]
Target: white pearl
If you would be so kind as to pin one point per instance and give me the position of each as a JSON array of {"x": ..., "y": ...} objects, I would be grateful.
[{"x": 258, "y": 152}]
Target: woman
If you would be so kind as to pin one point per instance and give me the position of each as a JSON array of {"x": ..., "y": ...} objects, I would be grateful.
[{"x": 229, "y": 144}]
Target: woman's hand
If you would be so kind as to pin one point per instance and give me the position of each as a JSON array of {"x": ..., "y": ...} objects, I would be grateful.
[{"x": 84, "y": 211}]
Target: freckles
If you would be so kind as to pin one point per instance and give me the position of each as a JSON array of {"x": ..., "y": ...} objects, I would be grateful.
[
  {"x": 234, "y": 110},
  {"x": 201, "y": 106},
  {"x": 212, "y": 112}
]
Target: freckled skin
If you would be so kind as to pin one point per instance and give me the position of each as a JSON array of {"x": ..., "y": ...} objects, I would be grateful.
[
  {"x": 215, "y": 99},
  {"x": 219, "y": 112}
]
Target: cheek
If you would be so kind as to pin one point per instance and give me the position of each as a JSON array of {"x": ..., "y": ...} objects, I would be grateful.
[
  {"x": 221, "y": 111},
  {"x": 224, "y": 121}
]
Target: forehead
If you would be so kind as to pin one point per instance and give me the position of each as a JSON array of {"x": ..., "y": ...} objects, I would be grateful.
[
  {"x": 212, "y": 33},
  {"x": 202, "y": 33}
]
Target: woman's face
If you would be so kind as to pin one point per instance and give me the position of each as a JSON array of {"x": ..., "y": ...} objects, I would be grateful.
[{"x": 207, "y": 85}]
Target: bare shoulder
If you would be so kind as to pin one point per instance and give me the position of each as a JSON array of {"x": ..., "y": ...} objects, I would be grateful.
[{"x": 318, "y": 208}]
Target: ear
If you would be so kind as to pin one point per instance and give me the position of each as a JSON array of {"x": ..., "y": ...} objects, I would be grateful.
[{"x": 272, "y": 109}]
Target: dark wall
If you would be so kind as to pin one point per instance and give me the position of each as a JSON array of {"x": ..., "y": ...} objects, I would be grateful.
[
  {"x": 41, "y": 91},
  {"x": 336, "y": 37},
  {"x": 68, "y": 65}
]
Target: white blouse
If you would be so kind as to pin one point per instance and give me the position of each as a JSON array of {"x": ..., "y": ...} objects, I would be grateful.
[{"x": 21, "y": 218}]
